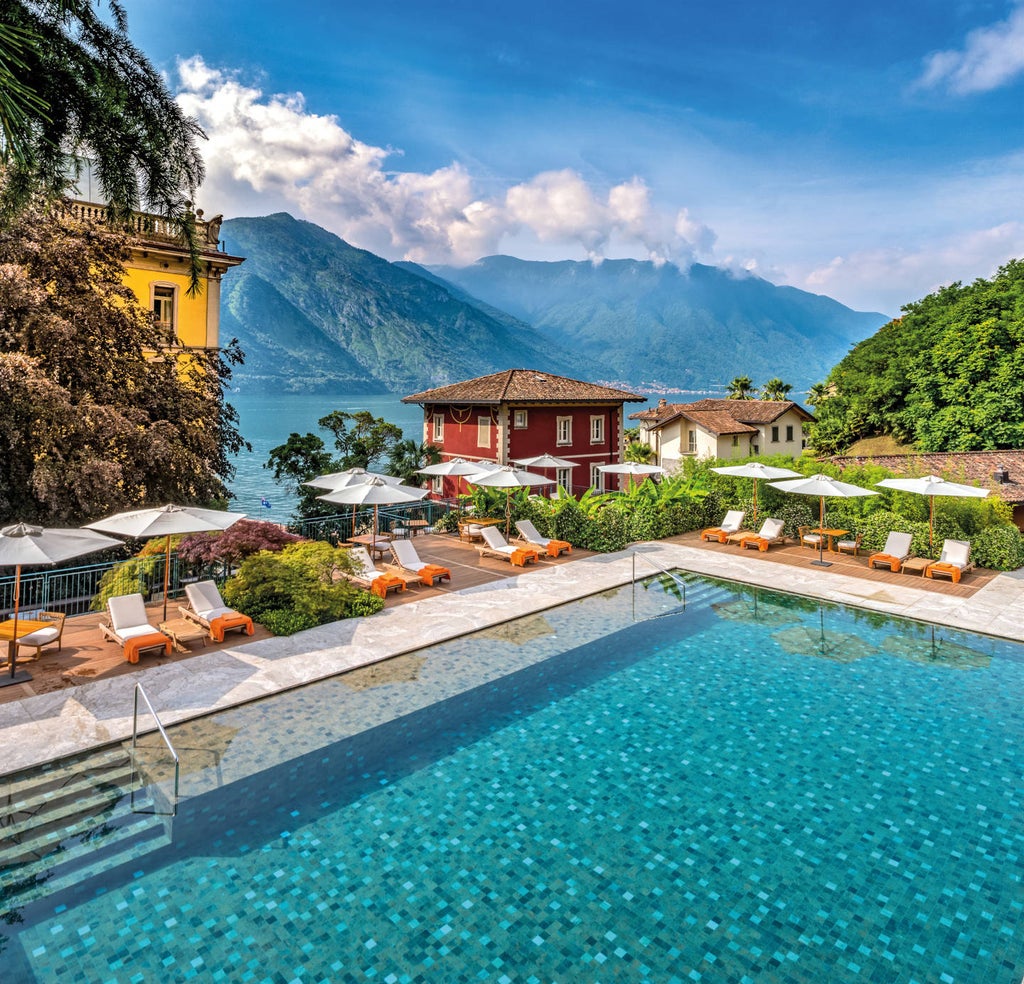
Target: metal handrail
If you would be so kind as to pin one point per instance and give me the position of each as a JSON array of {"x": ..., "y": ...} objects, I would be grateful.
[
  {"x": 678, "y": 580},
  {"x": 167, "y": 741}
]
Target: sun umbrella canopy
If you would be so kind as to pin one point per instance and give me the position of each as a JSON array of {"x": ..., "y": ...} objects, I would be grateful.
[
  {"x": 350, "y": 476},
  {"x": 931, "y": 486},
  {"x": 456, "y": 467},
  {"x": 756, "y": 471},
  {"x": 510, "y": 477},
  {"x": 546, "y": 461},
  {"x": 167, "y": 521},
  {"x": 374, "y": 492},
  {"x": 631, "y": 468},
  {"x": 22, "y": 545}
]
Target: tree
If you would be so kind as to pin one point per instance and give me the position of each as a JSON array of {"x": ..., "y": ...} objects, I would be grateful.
[
  {"x": 407, "y": 457},
  {"x": 639, "y": 451},
  {"x": 775, "y": 389},
  {"x": 90, "y": 421},
  {"x": 300, "y": 458},
  {"x": 361, "y": 438},
  {"x": 74, "y": 87},
  {"x": 818, "y": 393},
  {"x": 741, "y": 388}
]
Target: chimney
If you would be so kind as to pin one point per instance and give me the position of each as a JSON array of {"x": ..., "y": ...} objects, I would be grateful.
[
  {"x": 1001, "y": 474},
  {"x": 662, "y": 402}
]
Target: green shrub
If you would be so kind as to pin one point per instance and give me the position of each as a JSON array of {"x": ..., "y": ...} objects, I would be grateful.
[
  {"x": 299, "y": 582},
  {"x": 605, "y": 533},
  {"x": 643, "y": 522},
  {"x": 280, "y": 622},
  {"x": 570, "y": 524},
  {"x": 363, "y": 603},
  {"x": 1000, "y": 548},
  {"x": 876, "y": 528},
  {"x": 447, "y": 522}
]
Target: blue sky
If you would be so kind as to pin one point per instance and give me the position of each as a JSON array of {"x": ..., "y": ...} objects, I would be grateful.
[{"x": 871, "y": 152}]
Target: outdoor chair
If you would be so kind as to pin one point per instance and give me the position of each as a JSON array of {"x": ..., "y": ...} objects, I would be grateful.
[
  {"x": 46, "y": 636},
  {"x": 529, "y": 534},
  {"x": 809, "y": 539},
  {"x": 895, "y": 553},
  {"x": 953, "y": 562},
  {"x": 129, "y": 627},
  {"x": 496, "y": 545},
  {"x": 207, "y": 608},
  {"x": 407, "y": 559},
  {"x": 769, "y": 534},
  {"x": 850, "y": 546},
  {"x": 732, "y": 523}
]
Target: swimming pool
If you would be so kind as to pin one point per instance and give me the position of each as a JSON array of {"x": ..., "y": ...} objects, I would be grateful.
[{"x": 760, "y": 788}]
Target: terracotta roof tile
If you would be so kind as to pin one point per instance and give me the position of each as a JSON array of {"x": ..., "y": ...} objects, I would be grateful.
[
  {"x": 718, "y": 422},
  {"x": 957, "y": 466},
  {"x": 744, "y": 411},
  {"x": 522, "y": 386}
]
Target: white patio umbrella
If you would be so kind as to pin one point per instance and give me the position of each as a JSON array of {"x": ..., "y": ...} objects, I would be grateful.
[
  {"x": 22, "y": 545},
  {"x": 508, "y": 477},
  {"x": 546, "y": 461},
  {"x": 756, "y": 471},
  {"x": 631, "y": 468},
  {"x": 166, "y": 521},
  {"x": 931, "y": 486},
  {"x": 457, "y": 468},
  {"x": 374, "y": 492},
  {"x": 350, "y": 476},
  {"x": 822, "y": 486}
]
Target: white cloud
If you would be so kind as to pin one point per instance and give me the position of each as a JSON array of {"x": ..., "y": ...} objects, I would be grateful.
[
  {"x": 991, "y": 57},
  {"x": 897, "y": 276},
  {"x": 269, "y": 153}
]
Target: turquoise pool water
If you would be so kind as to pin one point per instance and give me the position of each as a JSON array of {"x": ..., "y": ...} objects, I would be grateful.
[{"x": 759, "y": 789}]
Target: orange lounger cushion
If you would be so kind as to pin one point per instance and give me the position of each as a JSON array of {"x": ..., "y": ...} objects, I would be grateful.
[
  {"x": 714, "y": 534},
  {"x": 379, "y": 586},
  {"x": 942, "y": 568},
  {"x": 221, "y": 623},
  {"x": 522, "y": 556},
  {"x": 430, "y": 571},
  {"x": 135, "y": 645},
  {"x": 555, "y": 547},
  {"x": 760, "y": 542},
  {"x": 893, "y": 562}
]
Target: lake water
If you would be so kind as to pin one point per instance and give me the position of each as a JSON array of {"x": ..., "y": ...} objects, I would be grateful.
[{"x": 266, "y": 420}]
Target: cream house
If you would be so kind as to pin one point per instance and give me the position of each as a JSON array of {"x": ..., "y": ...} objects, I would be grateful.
[{"x": 722, "y": 429}]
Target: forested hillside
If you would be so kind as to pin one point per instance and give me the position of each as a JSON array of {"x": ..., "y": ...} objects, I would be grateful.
[{"x": 946, "y": 376}]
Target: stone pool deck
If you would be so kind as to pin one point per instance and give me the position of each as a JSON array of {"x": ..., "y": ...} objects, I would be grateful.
[{"x": 39, "y": 728}]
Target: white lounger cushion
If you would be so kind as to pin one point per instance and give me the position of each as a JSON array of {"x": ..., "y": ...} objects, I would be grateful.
[
  {"x": 898, "y": 545},
  {"x": 493, "y": 538},
  {"x": 364, "y": 566},
  {"x": 772, "y": 529},
  {"x": 956, "y": 552},
  {"x": 405, "y": 554},
  {"x": 733, "y": 521},
  {"x": 128, "y": 616},
  {"x": 530, "y": 532}
]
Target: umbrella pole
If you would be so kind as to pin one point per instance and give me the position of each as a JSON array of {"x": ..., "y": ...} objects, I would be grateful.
[
  {"x": 167, "y": 574},
  {"x": 931, "y": 520},
  {"x": 755, "y": 502},
  {"x": 12, "y": 646},
  {"x": 821, "y": 535}
]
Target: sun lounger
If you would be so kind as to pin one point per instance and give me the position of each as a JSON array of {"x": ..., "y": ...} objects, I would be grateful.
[
  {"x": 769, "y": 534},
  {"x": 731, "y": 524},
  {"x": 130, "y": 628},
  {"x": 367, "y": 576},
  {"x": 895, "y": 552},
  {"x": 497, "y": 546},
  {"x": 953, "y": 562},
  {"x": 529, "y": 533},
  {"x": 408, "y": 560},
  {"x": 207, "y": 608}
]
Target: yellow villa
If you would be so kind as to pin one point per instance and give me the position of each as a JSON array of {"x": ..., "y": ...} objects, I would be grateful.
[{"x": 158, "y": 273}]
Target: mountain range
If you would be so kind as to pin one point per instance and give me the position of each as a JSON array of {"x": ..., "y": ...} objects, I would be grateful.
[{"x": 315, "y": 314}]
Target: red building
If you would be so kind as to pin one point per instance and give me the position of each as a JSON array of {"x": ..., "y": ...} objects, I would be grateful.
[{"x": 522, "y": 413}]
